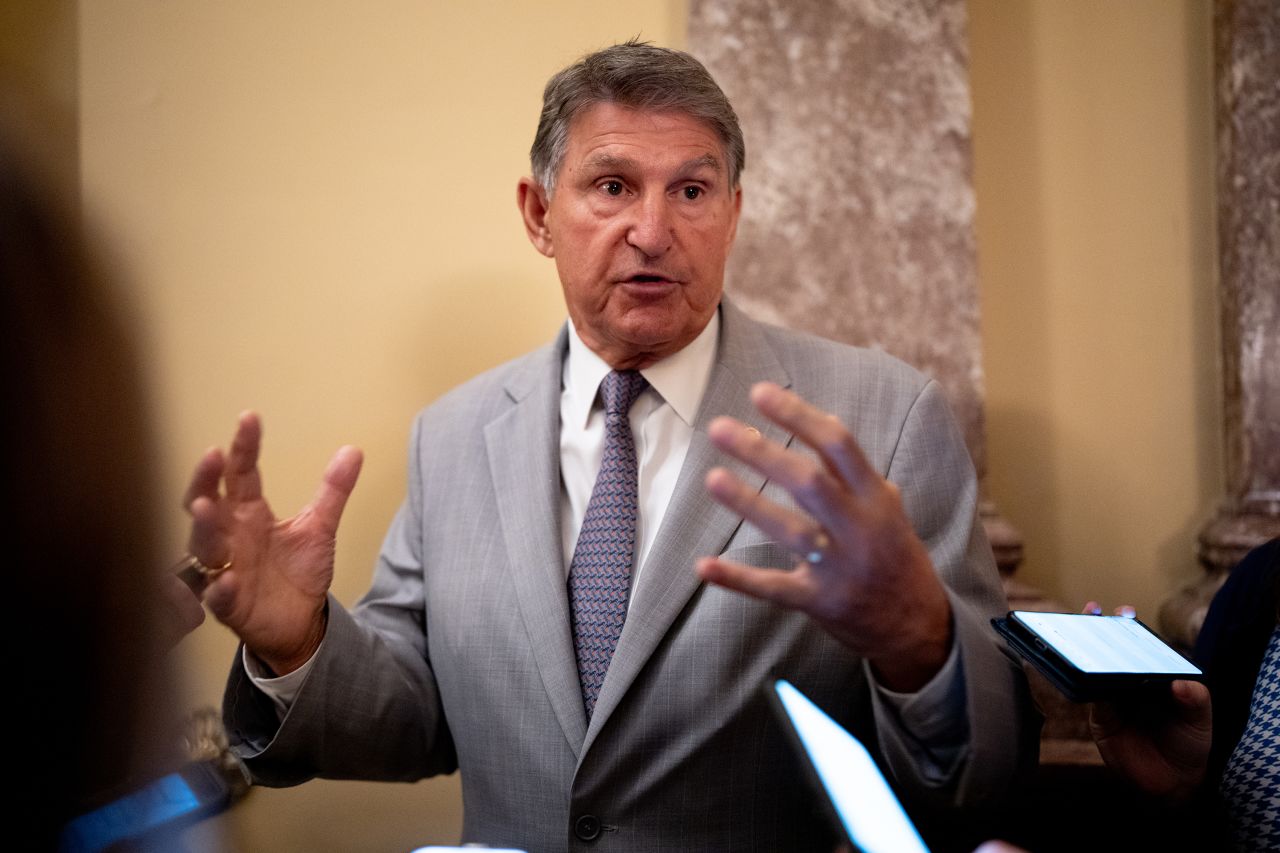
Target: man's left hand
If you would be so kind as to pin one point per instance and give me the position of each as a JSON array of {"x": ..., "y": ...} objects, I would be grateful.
[{"x": 861, "y": 572}]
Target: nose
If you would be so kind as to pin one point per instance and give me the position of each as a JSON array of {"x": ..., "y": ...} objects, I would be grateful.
[{"x": 651, "y": 230}]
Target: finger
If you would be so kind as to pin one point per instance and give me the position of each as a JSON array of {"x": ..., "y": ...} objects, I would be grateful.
[
  {"x": 244, "y": 482},
  {"x": 1104, "y": 720},
  {"x": 789, "y": 589},
  {"x": 821, "y": 431},
  {"x": 183, "y": 605},
  {"x": 1194, "y": 703},
  {"x": 208, "y": 543},
  {"x": 339, "y": 479},
  {"x": 814, "y": 488},
  {"x": 998, "y": 847},
  {"x": 181, "y": 612},
  {"x": 205, "y": 478},
  {"x": 793, "y": 530},
  {"x": 220, "y": 596},
  {"x": 1092, "y": 608}
]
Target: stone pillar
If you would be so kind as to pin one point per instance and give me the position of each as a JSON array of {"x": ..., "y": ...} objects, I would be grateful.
[
  {"x": 858, "y": 221},
  {"x": 1246, "y": 71}
]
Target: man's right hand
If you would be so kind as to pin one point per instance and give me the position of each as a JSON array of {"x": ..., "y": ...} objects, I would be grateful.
[{"x": 274, "y": 591}]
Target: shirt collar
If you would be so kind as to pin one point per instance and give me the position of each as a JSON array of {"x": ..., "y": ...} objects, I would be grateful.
[{"x": 680, "y": 379}]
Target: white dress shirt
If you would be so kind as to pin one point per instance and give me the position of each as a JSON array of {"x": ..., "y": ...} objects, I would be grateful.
[{"x": 662, "y": 421}]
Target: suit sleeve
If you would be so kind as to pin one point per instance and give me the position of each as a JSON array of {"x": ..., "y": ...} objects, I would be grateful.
[
  {"x": 999, "y": 731},
  {"x": 370, "y": 677}
]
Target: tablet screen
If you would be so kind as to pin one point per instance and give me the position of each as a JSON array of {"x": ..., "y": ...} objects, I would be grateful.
[
  {"x": 866, "y": 806},
  {"x": 1103, "y": 644}
]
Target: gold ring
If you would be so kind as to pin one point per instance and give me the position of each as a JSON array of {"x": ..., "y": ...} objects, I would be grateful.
[
  {"x": 821, "y": 542},
  {"x": 192, "y": 563},
  {"x": 213, "y": 571}
]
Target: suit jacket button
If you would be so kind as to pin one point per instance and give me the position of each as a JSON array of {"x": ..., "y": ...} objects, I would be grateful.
[{"x": 587, "y": 827}]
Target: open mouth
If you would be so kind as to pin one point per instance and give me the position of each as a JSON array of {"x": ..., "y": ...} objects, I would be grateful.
[{"x": 648, "y": 279}]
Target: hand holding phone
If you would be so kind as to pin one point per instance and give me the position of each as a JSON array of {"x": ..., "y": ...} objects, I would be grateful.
[
  {"x": 1090, "y": 657},
  {"x": 1159, "y": 743}
]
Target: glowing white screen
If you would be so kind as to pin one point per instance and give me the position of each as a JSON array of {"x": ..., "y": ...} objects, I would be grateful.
[
  {"x": 1100, "y": 644},
  {"x": 871, "y": 814}
]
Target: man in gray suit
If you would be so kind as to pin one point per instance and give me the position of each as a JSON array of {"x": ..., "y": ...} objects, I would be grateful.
[{"x": 558, "y": 610}]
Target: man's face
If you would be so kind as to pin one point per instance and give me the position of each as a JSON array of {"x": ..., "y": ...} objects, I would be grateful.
[{"x": 640, "y": 226}]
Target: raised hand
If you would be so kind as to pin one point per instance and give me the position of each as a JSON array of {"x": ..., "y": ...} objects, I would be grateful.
[
  {"x": 277, "y": 572},
  {"x": 860, "y": 571}
]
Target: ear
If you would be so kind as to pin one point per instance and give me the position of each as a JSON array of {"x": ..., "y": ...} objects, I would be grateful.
[
  {"x": 737, "y": 211},
  {"x": 532, "y": 200}
]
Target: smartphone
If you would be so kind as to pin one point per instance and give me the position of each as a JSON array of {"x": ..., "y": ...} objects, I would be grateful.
[
  {"x": 863, "y": 807},
  {"x": 1091, "y": 657},
  {"x": 165, "y": 805}
]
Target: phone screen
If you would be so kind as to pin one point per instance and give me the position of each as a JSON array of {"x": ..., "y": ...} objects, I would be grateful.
[
  {"x": 1106, "y": 644},
  {"x": 173, "y": 799},
  {"x": 866, "y": 805}
]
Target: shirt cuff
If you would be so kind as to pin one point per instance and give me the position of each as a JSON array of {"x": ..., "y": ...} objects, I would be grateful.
[
  {"x": 932, "y": 724},
  {"x": 280, "y": 689}
]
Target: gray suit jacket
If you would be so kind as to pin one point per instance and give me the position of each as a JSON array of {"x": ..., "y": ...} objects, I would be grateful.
[{"x": 460, "y": 656}]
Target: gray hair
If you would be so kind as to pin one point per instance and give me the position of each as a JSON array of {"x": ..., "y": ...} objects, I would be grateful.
[{"x": 640, "y": 76}]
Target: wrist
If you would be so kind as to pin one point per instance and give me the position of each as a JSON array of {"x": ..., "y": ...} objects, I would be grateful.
[
  {"x": 908, "y": 668},
  {"x": 283, "y": 661}
]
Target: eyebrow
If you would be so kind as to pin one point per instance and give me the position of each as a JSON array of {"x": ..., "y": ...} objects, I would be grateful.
[
  {"x": 707, "y": 160},
  {"x": 612, "y": 162}
]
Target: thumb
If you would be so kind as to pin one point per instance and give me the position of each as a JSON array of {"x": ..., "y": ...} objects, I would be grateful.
[
  {"x": 336, "y": 485},
  {"x": 1104, "y": 720},
  {"x": 1195, "y": 706}
]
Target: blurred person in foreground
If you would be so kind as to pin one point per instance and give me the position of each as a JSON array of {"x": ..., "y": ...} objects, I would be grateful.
[
  {"x": 88, "y": 622},
  {"x": 558, "y": 610}
]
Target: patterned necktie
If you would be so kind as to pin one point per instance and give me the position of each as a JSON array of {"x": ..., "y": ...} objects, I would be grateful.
[
  {"x": 600, "y": 572},
  {"x": 1251, "y": 782}
]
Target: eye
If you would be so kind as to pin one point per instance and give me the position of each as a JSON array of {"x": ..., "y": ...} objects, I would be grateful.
[
  {"x": 692, "y": 192},
  {"x": 612, "y": 187}
]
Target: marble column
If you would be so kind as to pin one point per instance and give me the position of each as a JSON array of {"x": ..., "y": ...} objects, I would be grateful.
[
  {"x": 1246, "y": 71},
  {"x": 858, "y": 220}
]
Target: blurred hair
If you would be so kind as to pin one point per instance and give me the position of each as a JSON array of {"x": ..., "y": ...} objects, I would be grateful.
[
  {"x": 640, "y": 76},
  {"x": 78, "y": 502}
]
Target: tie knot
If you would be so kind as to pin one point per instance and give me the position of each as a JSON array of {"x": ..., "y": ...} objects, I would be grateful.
[{"x": 620, "y": 389}]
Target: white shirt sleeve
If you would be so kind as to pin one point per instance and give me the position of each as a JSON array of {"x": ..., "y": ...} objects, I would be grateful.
[{"x": 280, "y": 689}]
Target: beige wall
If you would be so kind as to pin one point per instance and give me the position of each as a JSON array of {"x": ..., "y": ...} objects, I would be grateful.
[
  {"x": 1093, "y": 141},
  {"x": 316, "y": 202}
]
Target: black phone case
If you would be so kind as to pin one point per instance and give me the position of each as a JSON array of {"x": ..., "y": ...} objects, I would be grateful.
[{"x": 1076, "y": 685}]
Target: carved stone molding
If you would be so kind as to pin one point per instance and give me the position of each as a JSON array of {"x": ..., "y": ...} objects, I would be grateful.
[
  {"x": 858, "y": 221},
  {"x": 1246, "y": 68}
]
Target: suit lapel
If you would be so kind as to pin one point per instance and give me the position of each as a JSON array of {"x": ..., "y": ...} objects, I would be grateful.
[
  {"x": 524, "y": 460},
  {"x": 694, "y": 525}
]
